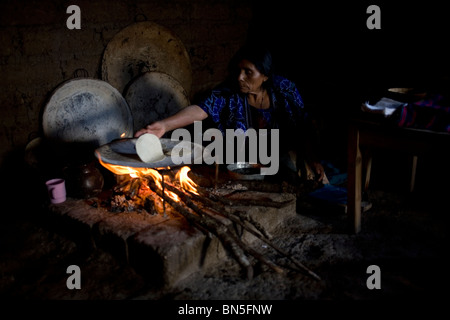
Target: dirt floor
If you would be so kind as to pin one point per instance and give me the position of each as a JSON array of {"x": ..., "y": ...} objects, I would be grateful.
[{"x": 404, "y": 234}]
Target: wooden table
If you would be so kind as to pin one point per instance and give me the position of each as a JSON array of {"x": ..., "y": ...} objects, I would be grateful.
[{"x": 373, "y": 132}]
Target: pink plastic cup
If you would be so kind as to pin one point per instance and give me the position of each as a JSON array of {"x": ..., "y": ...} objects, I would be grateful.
[{"x": 56, "y": 190}]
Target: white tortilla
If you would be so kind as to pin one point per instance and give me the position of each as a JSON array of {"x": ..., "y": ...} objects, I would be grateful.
[{"x": 149, "y": 148}]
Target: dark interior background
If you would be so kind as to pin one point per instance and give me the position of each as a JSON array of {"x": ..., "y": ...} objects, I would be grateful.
[
  {"x": 327, "y": 42},
  {"x": 338, "y": 63}
]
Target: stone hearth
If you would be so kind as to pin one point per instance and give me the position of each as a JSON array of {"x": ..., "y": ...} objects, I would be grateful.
[{"x": 164, "y": 247}]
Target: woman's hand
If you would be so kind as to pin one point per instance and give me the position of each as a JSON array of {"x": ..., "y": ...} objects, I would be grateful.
[
  {"x": 156, "y": 128},
  {"x": 318, "y": 170}
]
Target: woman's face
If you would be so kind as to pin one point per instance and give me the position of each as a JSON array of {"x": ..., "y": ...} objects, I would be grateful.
[{"x": 249, "y": 78}]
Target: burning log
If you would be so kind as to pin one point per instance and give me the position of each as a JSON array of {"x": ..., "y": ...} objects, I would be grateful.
[
  {"x": 134, "y": 187},
  {"x": 220, "y": 230},
  {"x": 218, "y": 209},
  {"x": 202, "y": 210},
  {"x": 203, "y": 213},
  {"x": 132, "y": 194},
  {"x": 246, "y": 202},
  {"x": 270, "y": 187},
  {"x": 253, "y": 252},
  {"x": 233, "y": 215}
]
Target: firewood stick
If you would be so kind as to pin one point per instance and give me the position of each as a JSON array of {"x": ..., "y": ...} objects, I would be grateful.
[
  {"x": 261, "y": 203},
  {"x": 264, "y": 186},
  {"x": 208, "y": 196},
  {"x": 219, "y": 209},
  {"x": 242, "y": 202},
  {"x": 187, "y": 200},
  {"x": 124, "y": 182},
  {"x": 134, "y": 187},
  {"x": 244, "y": 216},
  {"x": 163, "y": 191},
  {"x": 284, "y": 187},
  {"x": 279, "y": 250},
  {"x": 263, "y": 259},
  {"x": 219, "y": 230}
]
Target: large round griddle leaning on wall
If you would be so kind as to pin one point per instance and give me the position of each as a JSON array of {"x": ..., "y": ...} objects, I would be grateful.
[
  {"x": 144, "y": 47},
  {"x": 154, "y": 96},
  {"x": 86, "y": 111}
]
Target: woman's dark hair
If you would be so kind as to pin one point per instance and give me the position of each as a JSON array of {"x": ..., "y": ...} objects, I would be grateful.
[{"x": 259, "y": 55}]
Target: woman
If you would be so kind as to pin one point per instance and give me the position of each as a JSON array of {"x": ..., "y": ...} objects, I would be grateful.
[{"x": 253, "y": 97}]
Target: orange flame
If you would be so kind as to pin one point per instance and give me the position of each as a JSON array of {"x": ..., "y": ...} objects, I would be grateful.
[
  {"x": 185, "y": 181},
  {"x": 138, "y": 172}
]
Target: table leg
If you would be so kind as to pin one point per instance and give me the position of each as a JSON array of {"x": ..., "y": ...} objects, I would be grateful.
[
  {"x": 413, "y": 174},
  {"x": 354, "y": 176},
  {"x": 367, "y": 161}
]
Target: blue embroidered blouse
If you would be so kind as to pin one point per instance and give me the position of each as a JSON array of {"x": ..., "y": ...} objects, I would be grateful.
[{"x": 229, "y": 109}]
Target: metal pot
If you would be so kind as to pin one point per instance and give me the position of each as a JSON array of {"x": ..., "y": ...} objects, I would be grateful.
[
  {"x": 245, "y": 171},
  {"x": 84, "y": 180}
]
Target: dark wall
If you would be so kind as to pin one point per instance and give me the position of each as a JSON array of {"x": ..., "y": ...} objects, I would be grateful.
[{"x": 38, "y": 52}]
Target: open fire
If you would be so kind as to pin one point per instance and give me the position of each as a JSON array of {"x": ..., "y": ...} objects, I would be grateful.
[
  {"x": 133, "y": 193},
  {"x": 150, "y": 190}
]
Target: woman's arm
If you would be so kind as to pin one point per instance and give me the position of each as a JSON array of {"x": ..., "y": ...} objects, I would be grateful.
[{"x": 184, "y": 117}]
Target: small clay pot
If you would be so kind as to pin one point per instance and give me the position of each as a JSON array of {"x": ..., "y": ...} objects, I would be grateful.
[{"x": 86, "y": 180}]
